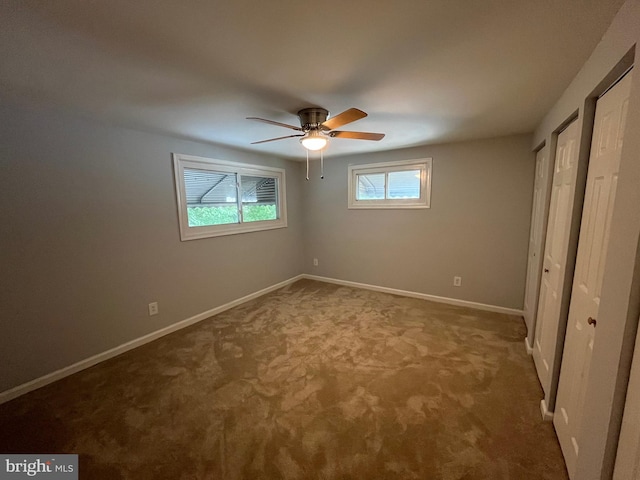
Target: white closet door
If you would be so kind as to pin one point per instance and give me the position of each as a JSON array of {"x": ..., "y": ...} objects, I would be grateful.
[
  {"x": 555, "y": 254},
  {"x": 535, "y": 245},
  {"x": 602, "y": 180}
]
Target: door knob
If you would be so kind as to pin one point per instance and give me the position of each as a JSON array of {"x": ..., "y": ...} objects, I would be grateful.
[{"x": 592, "y": 321}]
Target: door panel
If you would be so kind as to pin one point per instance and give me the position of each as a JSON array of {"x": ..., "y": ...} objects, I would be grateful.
[
  {"x": 532, "y": 287},
  {"x": 555, "y": 254},
  {"x": 600, "y": 193}
]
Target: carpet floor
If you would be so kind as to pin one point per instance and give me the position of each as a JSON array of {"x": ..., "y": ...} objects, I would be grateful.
[{"x": 312, "y": 381}]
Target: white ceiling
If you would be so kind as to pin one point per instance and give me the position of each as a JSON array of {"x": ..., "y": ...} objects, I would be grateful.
[{"x": 426, "y": 71}]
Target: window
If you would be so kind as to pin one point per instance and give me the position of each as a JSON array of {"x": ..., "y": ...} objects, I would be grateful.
[
  {"x": 404, "y": 184},
  {"x": 216, "y": 197}
]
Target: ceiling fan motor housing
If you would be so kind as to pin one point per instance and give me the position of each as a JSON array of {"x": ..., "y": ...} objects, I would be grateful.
[{"x": 312, "y": 118}]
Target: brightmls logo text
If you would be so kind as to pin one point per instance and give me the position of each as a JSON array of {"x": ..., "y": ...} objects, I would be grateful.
[{"x": 49, "y": 467}]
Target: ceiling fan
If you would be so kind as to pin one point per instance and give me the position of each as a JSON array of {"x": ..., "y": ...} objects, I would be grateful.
[{"x": 316, "y": 129}]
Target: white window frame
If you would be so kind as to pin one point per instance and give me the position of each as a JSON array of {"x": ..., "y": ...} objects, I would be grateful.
[
  {"x": 180, "y": 162},
  {"x": 422, "y": 164}
]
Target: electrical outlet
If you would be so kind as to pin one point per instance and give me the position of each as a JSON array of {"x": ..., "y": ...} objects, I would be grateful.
[
  {"x": 153, "y": 308},
  {"x": 457, "y": 281},
  {"x": 315, "y": 262}
]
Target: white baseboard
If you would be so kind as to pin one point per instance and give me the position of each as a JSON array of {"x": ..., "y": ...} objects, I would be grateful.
[
  {"x": 423, "y": 296},
  {"x": 101, "y": 357},
  {"x": 547, "y": 416},
  {"x": 528, "y": 346}
]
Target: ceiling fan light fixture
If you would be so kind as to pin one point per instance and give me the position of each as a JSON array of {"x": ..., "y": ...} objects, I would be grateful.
[
  {"x": 316, "y": 130},
  {"x": 314, "y": 141}
]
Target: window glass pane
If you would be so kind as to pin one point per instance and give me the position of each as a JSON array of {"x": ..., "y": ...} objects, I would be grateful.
[
  {"x": 398, "y": 184},
  {"x": 212, "y": 197},
  {"x": 371, "y": 186},
  {"x": 259, "y": 198},
  {"x": 404, "y": 184},
  {"x": 217, "y": 197}
]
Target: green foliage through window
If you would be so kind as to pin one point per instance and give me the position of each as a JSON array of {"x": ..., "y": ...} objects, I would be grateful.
[
  {"x": 205, "y": 216},
  {"x": 256, "y": 213},
  {"x": 223, "y": 215}
]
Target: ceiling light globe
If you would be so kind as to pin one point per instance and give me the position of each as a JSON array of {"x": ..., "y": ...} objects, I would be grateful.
[{"x": 314, "y": 142}]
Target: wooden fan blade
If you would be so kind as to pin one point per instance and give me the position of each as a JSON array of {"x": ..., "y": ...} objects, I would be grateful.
[
  {"x": 275, "y": 123},
  {"x": 357, "y": 135},
  {"x": 274, "y": 139},
  {"x": 343, "y": 118}
]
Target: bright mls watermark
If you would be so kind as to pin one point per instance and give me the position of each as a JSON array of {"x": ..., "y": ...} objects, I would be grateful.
[{"x": 49, "y": 467}]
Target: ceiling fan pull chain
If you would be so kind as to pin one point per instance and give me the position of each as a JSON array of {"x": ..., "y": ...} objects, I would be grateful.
[
  {"x": 307, "y": 164},
  {"x": 321, "y": 164}
]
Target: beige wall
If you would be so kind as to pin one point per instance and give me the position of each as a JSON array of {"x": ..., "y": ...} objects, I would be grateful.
[
  {"x": 90, "y": 236},
  {"x": 477, "y": 226},
  {"x": 620, "y": 300}
]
